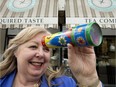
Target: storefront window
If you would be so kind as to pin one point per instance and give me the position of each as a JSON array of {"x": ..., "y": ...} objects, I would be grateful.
[{"x": 106, "y": 60}]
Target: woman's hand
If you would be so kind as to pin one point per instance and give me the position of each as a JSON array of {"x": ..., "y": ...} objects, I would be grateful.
[{"x": 82, "y": 61}]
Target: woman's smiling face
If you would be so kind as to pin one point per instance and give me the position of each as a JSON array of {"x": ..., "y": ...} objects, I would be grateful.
[{"x": 33, "y": 58}]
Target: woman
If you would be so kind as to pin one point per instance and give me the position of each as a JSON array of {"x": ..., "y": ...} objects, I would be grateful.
[{"x": 26, "y": 63}]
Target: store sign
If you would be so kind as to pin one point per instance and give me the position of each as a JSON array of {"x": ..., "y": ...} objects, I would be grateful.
[
  {"x": 55, "y": 20},
  {"x": 88, "y": 20},
  {"x": 28, "y": 20}
]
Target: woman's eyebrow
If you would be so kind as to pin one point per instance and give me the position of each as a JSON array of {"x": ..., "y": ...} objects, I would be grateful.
[{"x": 35, "y": 42}]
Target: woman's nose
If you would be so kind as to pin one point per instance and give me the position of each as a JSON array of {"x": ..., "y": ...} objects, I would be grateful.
[{"x": 40, "y": 52}]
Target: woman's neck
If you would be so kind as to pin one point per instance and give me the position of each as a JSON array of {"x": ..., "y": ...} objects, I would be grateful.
[{"x": 22, "y": 81}]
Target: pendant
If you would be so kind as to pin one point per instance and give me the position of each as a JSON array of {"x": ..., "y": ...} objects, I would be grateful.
[{"x": 36, "y": 85}]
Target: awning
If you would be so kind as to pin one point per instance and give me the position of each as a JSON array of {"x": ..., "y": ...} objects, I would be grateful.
[
  {"x": 79, "y": 12},
  {"x": 44, "y": 13}
]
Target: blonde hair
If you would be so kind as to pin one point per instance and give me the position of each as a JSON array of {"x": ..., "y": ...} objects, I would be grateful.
[{"x": 9, "y": 63}]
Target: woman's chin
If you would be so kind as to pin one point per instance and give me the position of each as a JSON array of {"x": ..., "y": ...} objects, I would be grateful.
[{"x": 36, "y": 73}]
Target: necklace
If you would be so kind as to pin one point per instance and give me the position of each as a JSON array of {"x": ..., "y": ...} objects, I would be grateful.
[{"x": 36, "y": 85}]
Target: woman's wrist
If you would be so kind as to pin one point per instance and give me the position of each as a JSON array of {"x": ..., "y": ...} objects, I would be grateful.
[
  {"x": 95, "y": 84},
  {"x": 88, "y": 81}
]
